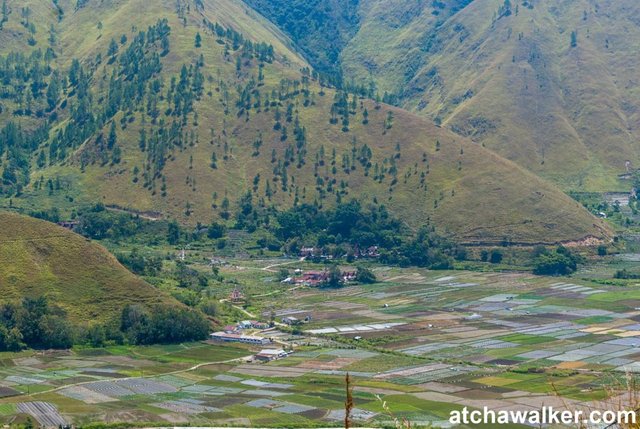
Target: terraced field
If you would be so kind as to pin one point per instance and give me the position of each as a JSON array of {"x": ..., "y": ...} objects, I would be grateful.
[{"x": 428, "y": 343}]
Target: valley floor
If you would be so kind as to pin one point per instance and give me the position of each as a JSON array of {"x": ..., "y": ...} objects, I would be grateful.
[{"x": 423, "y": 342}]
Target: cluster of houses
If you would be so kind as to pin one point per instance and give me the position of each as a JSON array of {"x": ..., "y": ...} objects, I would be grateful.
[
  {"x": 358, "y": 253},
  {"x": 315, "y": 278},
  {"x": 246, "y": 324},
  {"x": 235, "y": 334},
  {"x": 265, "y": 355}
]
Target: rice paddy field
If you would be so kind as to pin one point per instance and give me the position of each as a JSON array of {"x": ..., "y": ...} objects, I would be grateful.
[{"x": 422, "y": 342}]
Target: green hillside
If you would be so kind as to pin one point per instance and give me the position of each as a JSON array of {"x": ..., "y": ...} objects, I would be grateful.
[
  {"x": 39, "y": 258},
  {"x": 547, "y": 84},
  {"x": 200, "y": 110}
]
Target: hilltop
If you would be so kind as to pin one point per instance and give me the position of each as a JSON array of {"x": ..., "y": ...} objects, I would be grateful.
[
  {"x": 202, "y": 110},
  {"x": 38, "y": 258}
]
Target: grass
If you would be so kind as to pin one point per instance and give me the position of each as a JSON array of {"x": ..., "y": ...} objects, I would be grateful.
[
  {"x": 525, "y": 339},
  {"x": 383, "y": 363},
  {"x": 594, "y": 320},
  {"x": 7, "y": 409},
  {"x": 39, "y": 258}
]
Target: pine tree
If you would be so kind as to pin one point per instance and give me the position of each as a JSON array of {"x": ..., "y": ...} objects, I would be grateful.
[
  {"x": 5, "y": 12},
  {"x": 113, "y": 136},
  {"x": 113, "y": 48},
  {"x": 198, "y": 40}
]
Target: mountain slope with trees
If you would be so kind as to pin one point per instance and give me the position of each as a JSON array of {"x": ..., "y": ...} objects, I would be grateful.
[
  {"x": 547, "y": 84},
  {"x": 550, "y": 85},
  {"x": 200, "y": 110}
]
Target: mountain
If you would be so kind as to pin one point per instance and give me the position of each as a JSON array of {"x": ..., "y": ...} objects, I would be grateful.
[
  {"x": 202, "y": 110},
  {"x": 550, "y": 85},
  {"x": 321, "y": 29},
  {"x": 38, "y": 258}
]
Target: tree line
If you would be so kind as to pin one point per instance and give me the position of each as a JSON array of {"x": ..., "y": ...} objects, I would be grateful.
[{"x": 37, "y": 323}]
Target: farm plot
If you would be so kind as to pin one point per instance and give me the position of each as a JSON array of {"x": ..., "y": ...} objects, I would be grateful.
[
  {"x": 355, "y": 328},
  {"x": 45, "y": 413},
  {"x": 357, "y": 414},
  {"x": 7, "y": 391},
  {"x": 186, "y": 407},
  {"x": 128, "y": 387},
  {"x": 86, "y": 395}
]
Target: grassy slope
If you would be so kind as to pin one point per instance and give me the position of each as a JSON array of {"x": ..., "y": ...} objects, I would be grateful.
[
  {"x": 40, "y": 258},
  {"x": 480, "y": 196},
  {"x": 569, "y": 114}
]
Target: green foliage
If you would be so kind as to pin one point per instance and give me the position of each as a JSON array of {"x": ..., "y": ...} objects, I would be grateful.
[
  {"x": 334, "y": 279},
  {"x": 215, "y": 230},
  {"x": 559, "y": 262},
  {"x": 365, "y": 276},
  {"x": 495, "y": 256},
  {"x": 162, "y": 324},
  {"x": 626, "y": 275},
  {"x": 173, "y": 233},
  {"x": 308, "y": 22},
  {"x": 33, "y": 323},
  {"x": 141, "y": 264},
  {"x": 426, "y": 249},
  {"x": 347, "y": 223},
  {"x": 37, "y": 324}
]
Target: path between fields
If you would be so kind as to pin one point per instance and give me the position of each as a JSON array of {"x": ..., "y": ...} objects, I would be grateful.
[
  {"x": 179, "y": 371},
  {"x": 269, "y": 267}
]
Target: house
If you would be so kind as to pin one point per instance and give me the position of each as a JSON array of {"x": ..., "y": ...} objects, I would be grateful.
[
  {"x": 372, "y": 252},
  {"x": 268, "y": 355},
  {"x": 312, "y": 278},
  {"x": 245, "y": 324},
  {"x": 291, "y": 321},
  {"x": 239, "y": 338},
  {"x": 70, "y": 224},
  {"x": 369, "y": 252},
  {"x": 252, "y": 324},
  {"x": 307, "y": 252},
  {"x": 236, "y": 296},
  {"x": 261, "y": 325},
  {"x": 349, "y": 276},
  {"x": 229, "y": 329}
]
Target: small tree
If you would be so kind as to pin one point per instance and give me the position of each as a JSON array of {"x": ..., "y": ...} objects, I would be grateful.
[
  {"x": 283, "y": 274},
  {"x": 198, "y": 40},
  {"x": 365, "y": 275},
  {"x": 602, "y": 250},
  {"x": 496, "y": 256},
  {"x": 173, "y": 233},
  {"x": 215, "y": 230},
  {"x": 334, "y": 279}
]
